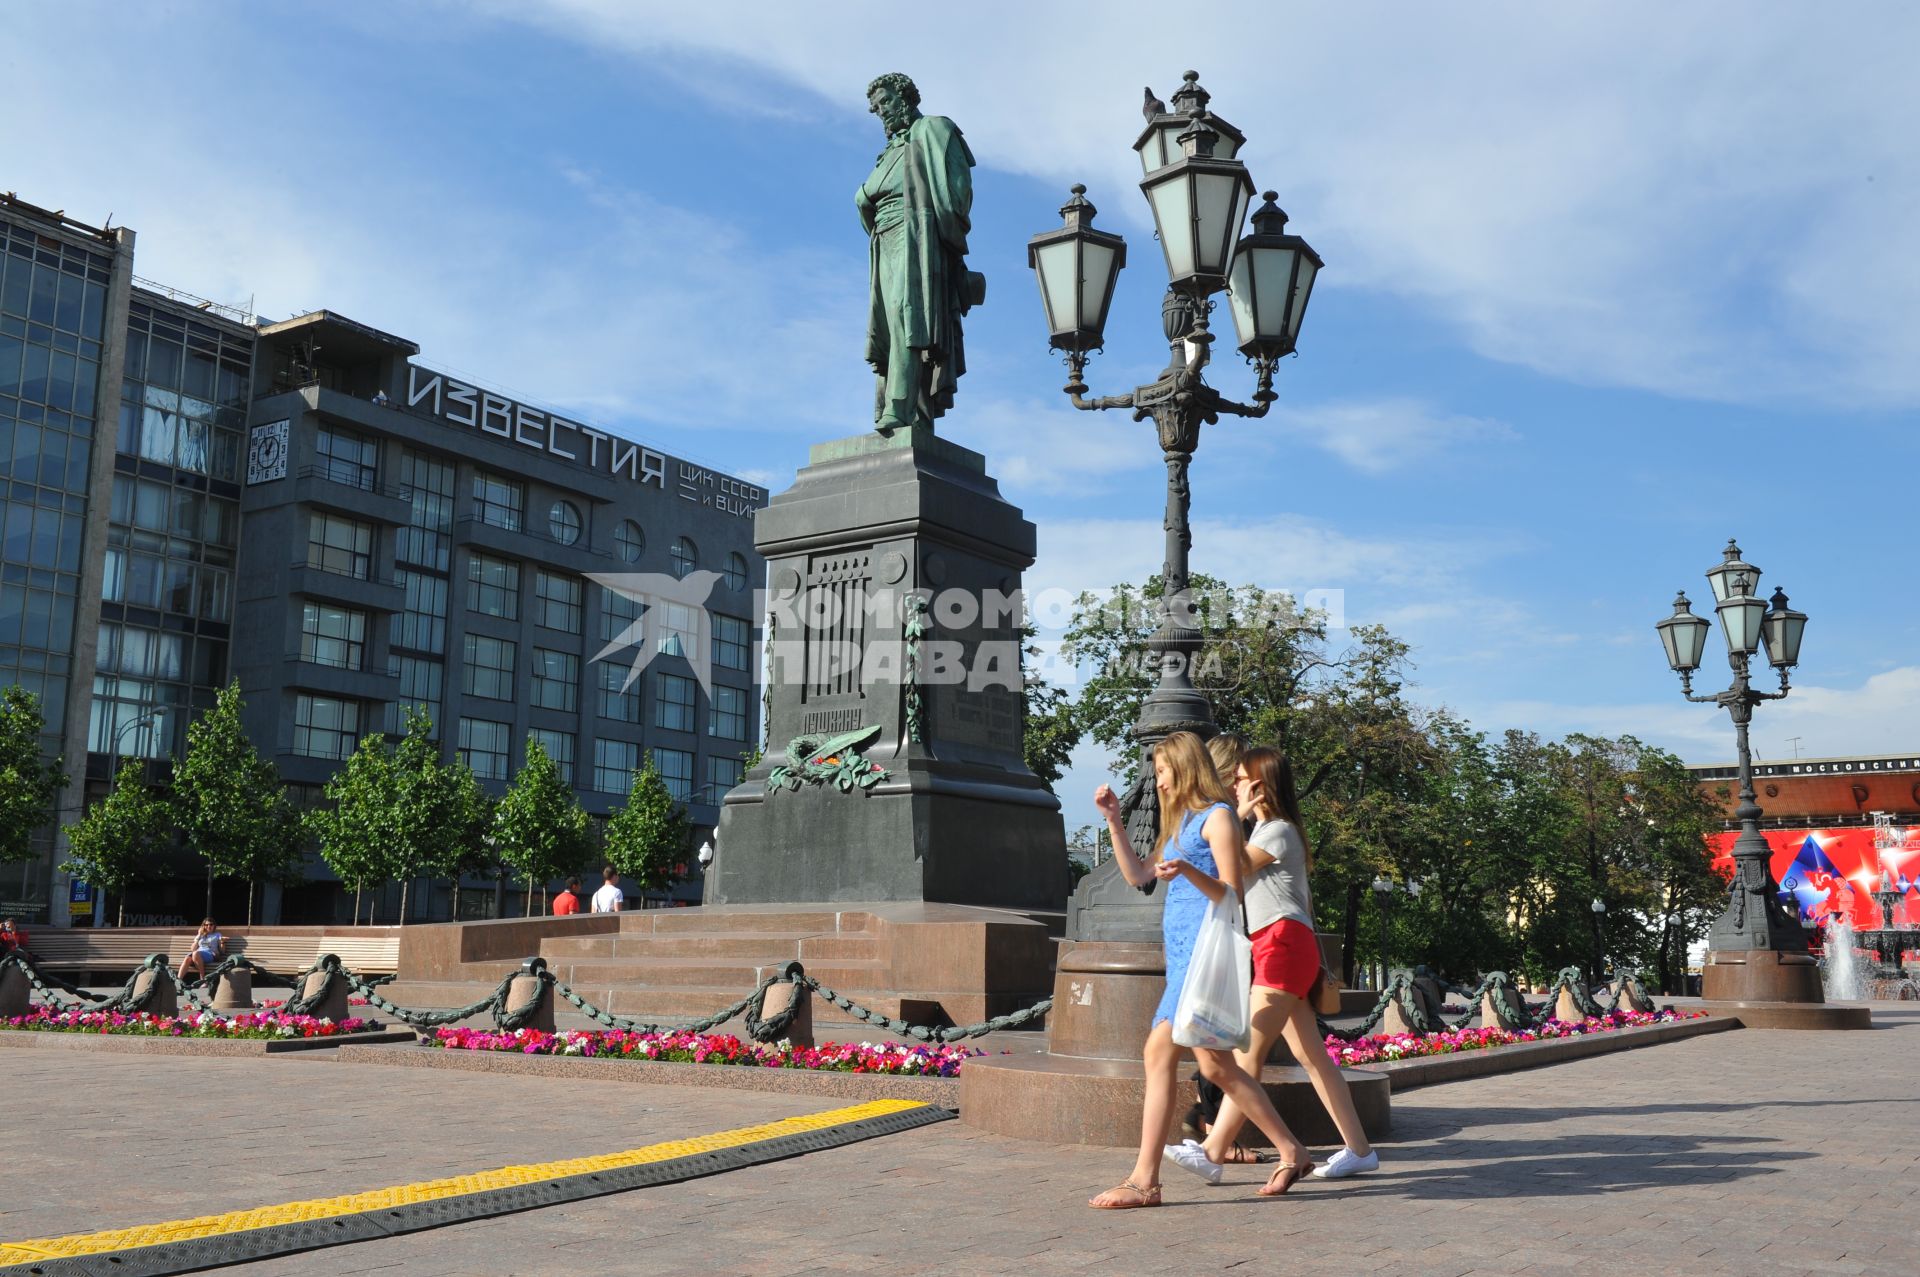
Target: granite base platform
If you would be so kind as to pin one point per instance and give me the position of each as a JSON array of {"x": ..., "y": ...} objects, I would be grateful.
[
  {"x": 133, "y": 1044},
  {"x": 1792, "y": 1015},
  {"x": 944, "y": 1091},
  {"x": 1063, "y": 1099}
]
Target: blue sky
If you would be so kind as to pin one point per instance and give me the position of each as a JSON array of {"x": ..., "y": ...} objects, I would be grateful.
[{"x": 1604, "y": 285}]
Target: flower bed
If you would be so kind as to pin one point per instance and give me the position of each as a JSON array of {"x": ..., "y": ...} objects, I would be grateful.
[
  {"x": 1411, "y": 1046},
  {"x": 206, "y": 1024},
  {"x": 716, "y": 1048}
]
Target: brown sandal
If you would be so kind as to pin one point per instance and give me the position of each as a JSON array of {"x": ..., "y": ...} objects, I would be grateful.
[
  {"x": 1145, "y": 1196},
  {"x": 1239, "y": 1156},
  {"x": 1284, "y": 1177}
]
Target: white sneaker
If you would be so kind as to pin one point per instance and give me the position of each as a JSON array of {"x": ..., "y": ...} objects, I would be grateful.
[
  {"x": 1345, "y": 1163},
  {"x": 1191, "y": 1155}
]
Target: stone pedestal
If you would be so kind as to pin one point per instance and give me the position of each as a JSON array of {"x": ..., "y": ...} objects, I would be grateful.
[
  {"x": 781, "y": 996},
  {"x": 234, "y": 991},
  {"x": 530, "y": 996},
  {"x": 930, "y": 694},
  {"x": 1768, "y": 989}
]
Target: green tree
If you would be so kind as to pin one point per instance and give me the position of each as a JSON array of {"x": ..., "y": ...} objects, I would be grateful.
[
  {"x": 1050, "y": 725},
  {"x": 356, "y": 827},
  {"x": 228, "y": 801},
  {"x": 29, "y": 781},
  {"x": 538, "y": 826},
  {"x": 108, "y": 845},
  {"x": 647, "y": 838},
  {"x": 441, "y": 816}
]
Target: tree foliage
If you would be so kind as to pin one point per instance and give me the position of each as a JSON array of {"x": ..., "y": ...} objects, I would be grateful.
[
  {"x": 228, "y": 800},
  {"x": 109, "y": 845},
  {"x": 356, "y": 826},
  {"x": 647, "y": 838},
  {"x": 539, "y": 828},
  {"x": 1511, "y": 838},
  {"x": 29, "y": 781}
]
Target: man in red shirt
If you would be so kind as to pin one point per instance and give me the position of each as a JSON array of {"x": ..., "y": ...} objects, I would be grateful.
[
  {"x": 11, "y": 937},
  {"x": 568, "y": 901}
]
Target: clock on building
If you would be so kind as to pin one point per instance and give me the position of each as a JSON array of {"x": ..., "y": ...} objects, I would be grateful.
[{"x": 267, "y": 453}]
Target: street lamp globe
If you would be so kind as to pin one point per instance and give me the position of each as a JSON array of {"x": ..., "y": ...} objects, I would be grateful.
[
  {"x": 1076, "y": 267},
  {"x": 1741, "y": 614},
  {"x": 1382, "y": 884},
  {"x": 1782, "y": 630},
  {"x": 1268, "y": 286},
  {"x": 1199, "y": 204},
  {"x": 1732, "y": 575},
  {"x": 1684, "y": 635},
  {"x": 1599, "y": 906}
]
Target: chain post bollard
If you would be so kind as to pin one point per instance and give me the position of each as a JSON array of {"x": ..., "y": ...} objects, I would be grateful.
[
  {"x": 527, "y": 1000},
  {"x": 785, "y": 1008},
  {"x": 320, "y": 991},
  {"x": 235, "y": 989},
  {"x": 16, "y": 990},
  {"x": 154, "y": 988}
]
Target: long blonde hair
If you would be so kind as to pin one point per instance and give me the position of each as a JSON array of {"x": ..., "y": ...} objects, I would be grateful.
[{"x": 1196, "y": 785}]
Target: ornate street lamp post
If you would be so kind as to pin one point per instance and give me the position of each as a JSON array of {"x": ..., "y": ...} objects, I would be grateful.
[
  {"x": 1755, "y": 950},
  {"x": 1199, "y": 192}
]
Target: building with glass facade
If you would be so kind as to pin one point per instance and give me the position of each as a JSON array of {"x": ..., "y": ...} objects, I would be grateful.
[{"x": 304, "y": 506}]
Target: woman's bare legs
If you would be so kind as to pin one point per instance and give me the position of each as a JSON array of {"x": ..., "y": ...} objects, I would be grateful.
[
  {"x": 1267, "y": 1021},
  {"x": 1284, "y": 1015},
  {"x": 1160, "y": 1059},
  {"x": 1248, "y": 1097}
]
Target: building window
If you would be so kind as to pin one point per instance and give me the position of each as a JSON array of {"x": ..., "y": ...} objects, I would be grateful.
[
  {"x": 556, "y": 601},
  {"x": 676, "y": 768},
  {"x": 421, "y": 624},
  {"x": 727, "y": 714},
  {"x": 341, "y": 546},
  {"x": 559, "y": 747},
  {"x": 501, "y": 502},
  {"x": 629, "y": 542},
  {"x": 489, "y": 668},
  {"x": 614, "y": 762},
  {"x": 484, "y": 745},
  {"x": 428, "y": 486},
  {"x": 673, "y": 703},
  {"x": 556, "y": 679},
  {"x": 344, "y": 458},
  {"x": 335, "y": 636},
  {"x": 493, "y": 586},
  {"x": 618, "y": 702},
  {"x": 563, "y": 522},
  {"x": 617, "y": 613},
  {"x": 723, "y": 774},
  {"x": 732, "y": 640},
  {"x": 419, "y": 689},
  {"x": 324, "y": 727},
  {"x": 674, "y": 629},
  {"x": 683, "y": 555},
  {"x": 736, "y": 571}
]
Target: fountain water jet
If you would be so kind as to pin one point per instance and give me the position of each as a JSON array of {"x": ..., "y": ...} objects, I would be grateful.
[{"x": 1844, "y": 983}]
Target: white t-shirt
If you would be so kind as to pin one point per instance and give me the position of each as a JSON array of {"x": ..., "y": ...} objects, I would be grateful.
[
  {"x": 1279, "y": 890},
  {"x": 609, "y": 899}
]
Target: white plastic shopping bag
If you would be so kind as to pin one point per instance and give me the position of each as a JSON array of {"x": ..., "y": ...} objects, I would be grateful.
[{"x": 1215, "y": 1012}]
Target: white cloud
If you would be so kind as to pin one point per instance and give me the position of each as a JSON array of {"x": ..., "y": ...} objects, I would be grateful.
[
  {"x": 1383, "y": 435},
  {"x": 1721, "y": 212}
]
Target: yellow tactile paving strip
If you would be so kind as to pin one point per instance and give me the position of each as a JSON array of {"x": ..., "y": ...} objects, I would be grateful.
[{"x": 431, "y": 1190}]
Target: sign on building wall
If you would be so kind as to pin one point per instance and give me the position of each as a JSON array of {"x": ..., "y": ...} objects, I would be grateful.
[{"x": 267, "y": 453}]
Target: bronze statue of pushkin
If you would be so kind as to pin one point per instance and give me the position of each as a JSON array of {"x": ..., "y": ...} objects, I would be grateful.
[{"x": 915, "y": 206}]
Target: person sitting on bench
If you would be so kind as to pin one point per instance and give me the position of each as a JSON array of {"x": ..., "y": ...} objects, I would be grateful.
[{"x": 208, "y": 944}]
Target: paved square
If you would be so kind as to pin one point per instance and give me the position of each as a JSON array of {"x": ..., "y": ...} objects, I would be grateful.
[{"x": 1747, "y": 1152}]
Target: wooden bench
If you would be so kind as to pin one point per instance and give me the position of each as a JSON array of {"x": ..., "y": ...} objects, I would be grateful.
[{"x": 109, "y": 954}]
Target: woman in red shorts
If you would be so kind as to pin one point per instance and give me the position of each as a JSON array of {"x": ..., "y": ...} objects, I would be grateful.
[{"x": 1286, "y": 961}]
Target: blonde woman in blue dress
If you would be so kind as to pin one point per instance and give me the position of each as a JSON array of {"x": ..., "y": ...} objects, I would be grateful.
[{"x": 1201, "y": 857}]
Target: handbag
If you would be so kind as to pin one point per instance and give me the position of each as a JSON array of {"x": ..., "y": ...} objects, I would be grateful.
[
  {"x": 1324, "y": 996},
  {"x": 1215, "y": 1010}
]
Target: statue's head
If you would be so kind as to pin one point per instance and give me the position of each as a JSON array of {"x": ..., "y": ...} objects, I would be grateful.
[{"x": 895, "y": 100}]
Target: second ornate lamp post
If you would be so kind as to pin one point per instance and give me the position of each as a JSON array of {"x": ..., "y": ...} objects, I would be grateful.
[
  {"x": 1198, "y": 191},
  {"x": 1755, "y": 950}
]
